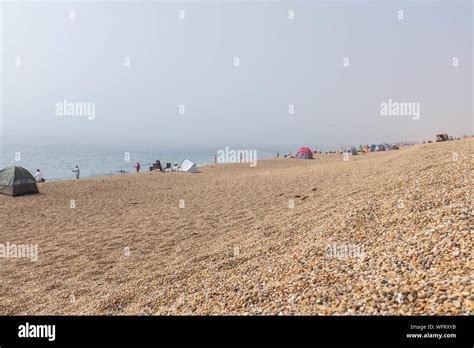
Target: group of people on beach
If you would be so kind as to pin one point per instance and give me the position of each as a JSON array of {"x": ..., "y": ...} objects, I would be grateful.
[
  {"x": 156, "y": 166},
  {"x": 168, "y": 168},
  {"x": 39, "y": 174}
]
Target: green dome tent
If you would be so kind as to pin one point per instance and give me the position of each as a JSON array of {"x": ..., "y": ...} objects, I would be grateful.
[{"x": 17, "y": 181}]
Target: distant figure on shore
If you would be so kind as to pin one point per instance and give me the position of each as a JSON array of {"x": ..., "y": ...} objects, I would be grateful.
[
  {"x": 278, "y": 154},
  {"x": 39, "y": 176},
  {"x": 215, "y": 158},
  {"x": 77, "y": 171},
  {"x": 156, "y": 166},
  {"x": 137, "y": 167}
]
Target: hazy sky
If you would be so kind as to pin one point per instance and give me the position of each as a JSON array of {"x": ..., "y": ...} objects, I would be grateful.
[{"x": 190, "y": 62}]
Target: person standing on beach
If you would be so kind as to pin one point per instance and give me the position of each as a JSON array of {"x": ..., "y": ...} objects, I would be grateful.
[
  {"x": 137, "y": 167},
  {"x": 77, "y": 171}
]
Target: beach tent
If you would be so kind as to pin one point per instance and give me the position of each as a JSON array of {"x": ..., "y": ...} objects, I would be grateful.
[
  {"x": 304, "y": 152},
  {"x": 382, "y": 147},
  {"x": 387, "y": 146},
  {"x": 188, "y": 166},
  {"x": 351, "y": 150},
  {"x": 359, "y": 148},
  {"x": 17, "y": 181},
  {"x": 374, "y": 148},
  {"x": 442, "y": 137}
]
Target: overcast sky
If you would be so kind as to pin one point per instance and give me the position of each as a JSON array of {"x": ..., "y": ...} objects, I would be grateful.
[{"x": 190, "y": 62}]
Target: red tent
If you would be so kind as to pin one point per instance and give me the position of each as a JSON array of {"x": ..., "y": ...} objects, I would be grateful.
[{"x": 304, "y": 152}]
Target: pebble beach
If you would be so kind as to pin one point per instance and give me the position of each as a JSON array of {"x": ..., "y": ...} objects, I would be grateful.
[{"x": 386, "y": 233}]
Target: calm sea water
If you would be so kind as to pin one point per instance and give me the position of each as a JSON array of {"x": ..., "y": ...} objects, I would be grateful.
[{"x": 56, "y": 161}]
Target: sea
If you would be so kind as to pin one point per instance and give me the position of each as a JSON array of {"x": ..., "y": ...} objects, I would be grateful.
[{"x": 56, "y": 161}]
